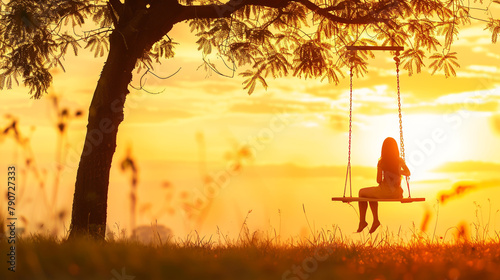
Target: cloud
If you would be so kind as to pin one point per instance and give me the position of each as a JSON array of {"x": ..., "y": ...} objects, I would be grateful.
[
  {"x": 424, "y": 87},
  {"x": 480, "y": 100},
  {"x": 338, "y": 122},
  {"x": 476, "y": 102},
  {"x": 456, "y": 191},
  {"x": 495, "y": 123},
  {"x": 468, "y": 166},
  {"x": 324, "y": 89},
  {"x": 370, "y": 101},
  {"x": 442, "y": 109},
  {"x": 291, "y": 171},
  {"x": 461, "y": 188},
  {"x": 483, "y": 68},
  {"x": 488, "y": 172},
  {"x": 215, "y": 85},
  {"x": 260, "y": 108},
  {"x": 155, "y": 115},
  {"x": 274, "y": 105}
]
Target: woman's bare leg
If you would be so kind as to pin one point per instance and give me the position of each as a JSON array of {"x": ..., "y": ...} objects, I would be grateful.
[
  {"x": 363, "y": 206},
  {"x": 376, "y": 222}
]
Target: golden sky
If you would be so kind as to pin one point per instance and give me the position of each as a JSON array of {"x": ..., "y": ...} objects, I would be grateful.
[{"x": 296, "y": 132}]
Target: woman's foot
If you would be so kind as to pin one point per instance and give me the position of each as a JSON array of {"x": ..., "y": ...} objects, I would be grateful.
[
  {"x": 362, "y": 226},
  {"x": 375, "y": 225}
]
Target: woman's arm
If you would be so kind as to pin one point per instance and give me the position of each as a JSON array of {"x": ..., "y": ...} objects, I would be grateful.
[
  {"x": 405, "y": 171},
  {"x": 379, "y": 173}
]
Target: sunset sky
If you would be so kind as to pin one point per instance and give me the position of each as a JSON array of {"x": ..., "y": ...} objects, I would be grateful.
[{"x": 297, "y": 132}]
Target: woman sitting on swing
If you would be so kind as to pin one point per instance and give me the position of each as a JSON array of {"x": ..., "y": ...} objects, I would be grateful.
[{"x": 389, "y": 170}]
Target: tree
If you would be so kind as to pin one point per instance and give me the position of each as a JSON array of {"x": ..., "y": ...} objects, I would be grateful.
[{"x": 274, "y": 38}]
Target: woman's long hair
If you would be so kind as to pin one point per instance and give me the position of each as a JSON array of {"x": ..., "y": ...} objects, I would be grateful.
[{"x": 389, "y": 158}]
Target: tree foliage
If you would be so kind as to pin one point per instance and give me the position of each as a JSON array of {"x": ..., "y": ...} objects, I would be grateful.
[
  {"x": 302, "y": 38},
  {"x": 311, "y": 36},
  {"x": 36, "y": 35}
]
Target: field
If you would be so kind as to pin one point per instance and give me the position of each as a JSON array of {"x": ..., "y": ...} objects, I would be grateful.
[
  {"x": 463, "y": 253},
  {"x": 322, "y": 257}
]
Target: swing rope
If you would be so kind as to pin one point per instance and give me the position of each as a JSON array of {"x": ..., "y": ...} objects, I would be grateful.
[{"x": 401, "y": 140}]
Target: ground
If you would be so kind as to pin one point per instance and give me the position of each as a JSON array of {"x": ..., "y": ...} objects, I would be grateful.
[{"x": 203, "y": 258}]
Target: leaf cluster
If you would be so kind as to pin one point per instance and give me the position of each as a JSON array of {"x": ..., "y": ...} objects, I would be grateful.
[
  {"x": 36, "y": 35},
  {"x": 301, "y": 38},
  {"x": 309, "y": 38}
]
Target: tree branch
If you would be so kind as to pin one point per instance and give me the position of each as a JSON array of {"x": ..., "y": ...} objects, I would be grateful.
[
  {"x": 113, "y": 14},
  {"x": 325, "y": 13},
  {"x": 225, "y": 10},
  {"x": 338, "y": 7},
  {"x": 117, "y": 6}
]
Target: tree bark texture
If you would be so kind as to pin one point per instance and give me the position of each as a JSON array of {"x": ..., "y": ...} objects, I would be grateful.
[{"x": 105, "y": 115}]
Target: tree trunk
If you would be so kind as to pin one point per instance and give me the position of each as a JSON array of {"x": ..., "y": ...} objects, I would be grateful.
[
  {"x": 137, "y": 29},
  {"x": 105, "y": 115}
]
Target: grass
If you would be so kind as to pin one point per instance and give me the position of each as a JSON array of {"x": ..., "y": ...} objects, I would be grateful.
[{"x": 326, "y": 256}]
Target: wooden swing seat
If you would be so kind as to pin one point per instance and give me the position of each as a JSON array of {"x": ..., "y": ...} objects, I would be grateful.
[{"x": 402, "y": 200}]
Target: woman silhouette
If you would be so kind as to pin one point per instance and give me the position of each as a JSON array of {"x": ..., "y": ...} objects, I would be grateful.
[{"x": 390, "y": 167}]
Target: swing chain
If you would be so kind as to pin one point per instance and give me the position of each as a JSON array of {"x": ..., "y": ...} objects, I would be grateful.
[
  {"x": 401, "y": 140},
  {"x": 348, "y": 172}
]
